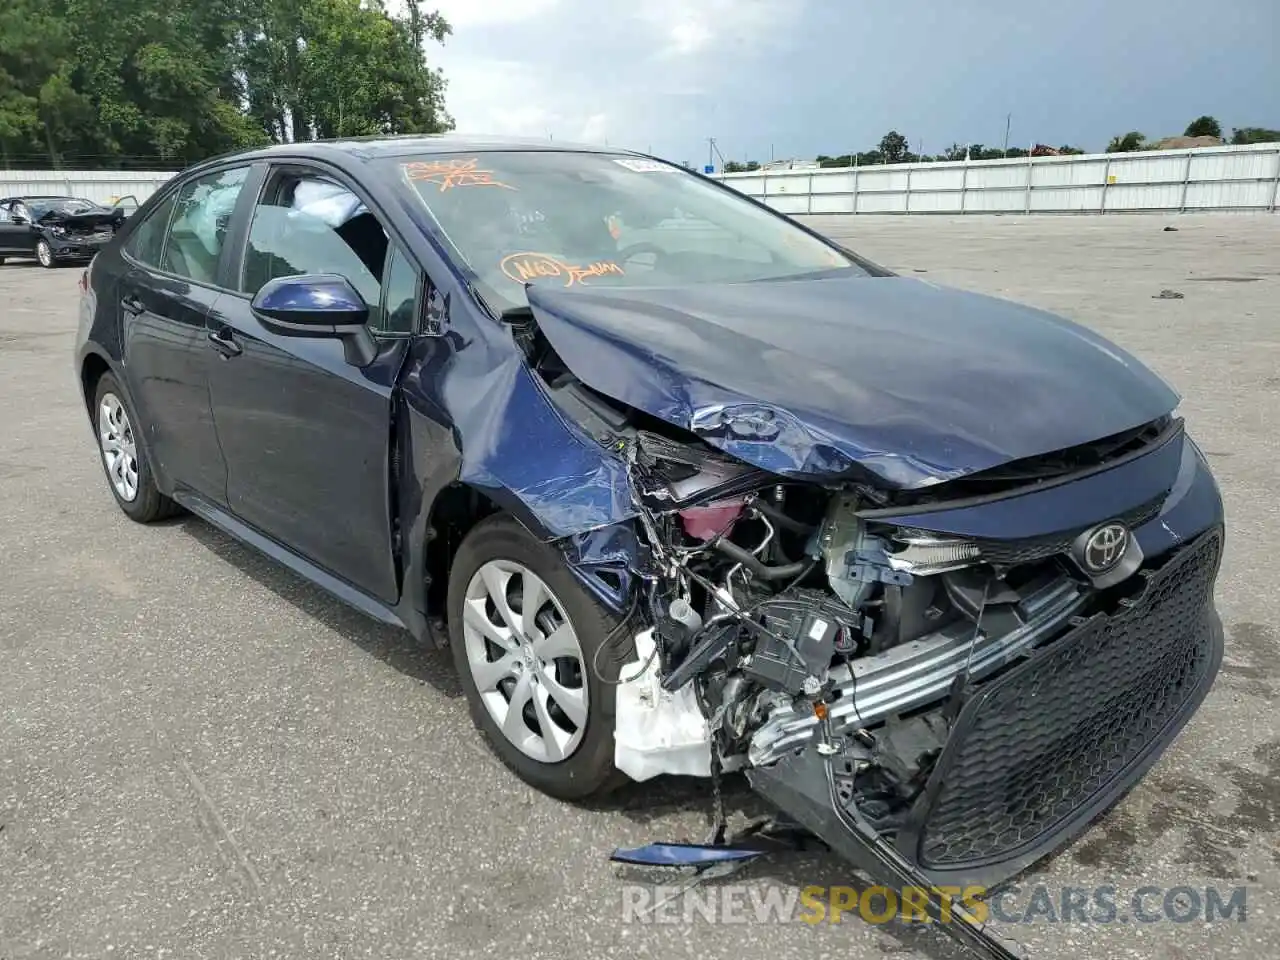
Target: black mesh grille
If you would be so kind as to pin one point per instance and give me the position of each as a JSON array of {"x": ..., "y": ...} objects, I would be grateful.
[
  {"x": 1010, "y": 553},
  {"x": 1043, "y": 739}
]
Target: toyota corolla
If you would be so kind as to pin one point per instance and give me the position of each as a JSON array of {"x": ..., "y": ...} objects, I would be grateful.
[{"x": 685, "y": 487}]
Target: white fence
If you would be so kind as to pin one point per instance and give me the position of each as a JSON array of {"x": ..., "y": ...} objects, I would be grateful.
[
  {"x": 1207, "y": 178},
  {"x": 99, "y": 186}
]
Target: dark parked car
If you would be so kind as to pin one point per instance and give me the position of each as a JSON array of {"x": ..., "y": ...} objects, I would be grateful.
[
  {"x": 685, "y": 487},
  {"x": 55, "y": 230}
]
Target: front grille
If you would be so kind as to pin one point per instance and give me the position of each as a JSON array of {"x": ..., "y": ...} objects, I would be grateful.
[
  {"x": 1010, "y": 553},
  {"x": 1035, "y": 746}
]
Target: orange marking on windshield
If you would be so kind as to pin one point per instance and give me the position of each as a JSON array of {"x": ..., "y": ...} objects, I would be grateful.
[
  {"x": 524, "y": 267},
  {"x": 447, "y": 174}
]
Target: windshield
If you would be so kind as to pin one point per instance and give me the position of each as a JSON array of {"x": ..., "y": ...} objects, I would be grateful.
[{"x": 595, "y": 219}]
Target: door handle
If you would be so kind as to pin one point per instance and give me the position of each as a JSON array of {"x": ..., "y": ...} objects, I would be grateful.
[
  {"x": 132, "y": 306},
  {"x": 224, "y": 342}
]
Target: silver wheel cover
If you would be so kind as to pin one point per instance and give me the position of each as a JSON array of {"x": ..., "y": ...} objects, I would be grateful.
[
  {"x": 44, "y": 254},
  {"x": 119, "y": 449},
  {"x": 526, "y": 660}
]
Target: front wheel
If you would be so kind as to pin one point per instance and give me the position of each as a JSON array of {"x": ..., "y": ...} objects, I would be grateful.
[
  {"x": 538, "y": 659},
  {"x": 44, "y": 254}
]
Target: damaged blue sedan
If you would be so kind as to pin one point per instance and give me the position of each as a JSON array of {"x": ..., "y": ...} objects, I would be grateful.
[{"x": 685, "y": 487}]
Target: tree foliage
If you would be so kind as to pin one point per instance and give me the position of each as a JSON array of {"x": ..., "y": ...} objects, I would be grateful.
[
  {"x": 109, "y": 82},
  {"x": 1204, "y": 127},
  {"x": 893, "y": 147},
  {"x": 1127, "y": 143},
  {"x": 1245, "y": 135}
]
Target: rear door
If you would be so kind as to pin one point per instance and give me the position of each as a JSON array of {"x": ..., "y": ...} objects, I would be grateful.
[
  {"x": 165, "y": 296},
  {"x": 306, "y": 435}
]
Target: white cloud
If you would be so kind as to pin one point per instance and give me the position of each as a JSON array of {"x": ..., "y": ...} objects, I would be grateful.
[
  {"x": 595, "y": 129},
  {"x": 690, "y": 36},
  {"x": 579, "y": 70},
  {"x": 462, "y": 14}
]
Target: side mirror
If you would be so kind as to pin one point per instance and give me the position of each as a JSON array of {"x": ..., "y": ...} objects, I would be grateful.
[
  {"x": 322, "y": 305},
  {"x": 18, "y": 218}
]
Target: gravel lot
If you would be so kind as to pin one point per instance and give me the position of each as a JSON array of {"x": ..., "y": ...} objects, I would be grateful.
[{"x": 201, "y": 756}]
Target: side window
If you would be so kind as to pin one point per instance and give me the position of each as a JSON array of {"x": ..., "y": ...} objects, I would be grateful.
[
  {"x": 147, "y": 241},
  {"x": 20, "y": 212},
  {"x": 400, "y": 294},
  {"x": 306, "y": 223},
  {"x": 199, "y": 228}
]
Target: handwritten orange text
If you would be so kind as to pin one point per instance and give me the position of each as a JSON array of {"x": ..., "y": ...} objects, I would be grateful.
[
  {"x": 447, "y": 174},
  {"x": 523, "y": 267}
]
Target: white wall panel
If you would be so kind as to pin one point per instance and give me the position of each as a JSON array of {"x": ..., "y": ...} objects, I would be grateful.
[{"x": 1206, "y": 178}]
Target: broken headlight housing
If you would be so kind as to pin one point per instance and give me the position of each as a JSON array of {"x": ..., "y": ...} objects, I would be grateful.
[{"x": 921, "y": 553}]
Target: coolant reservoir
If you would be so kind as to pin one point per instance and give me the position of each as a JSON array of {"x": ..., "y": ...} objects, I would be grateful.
[{"x": 711, "y": 520}]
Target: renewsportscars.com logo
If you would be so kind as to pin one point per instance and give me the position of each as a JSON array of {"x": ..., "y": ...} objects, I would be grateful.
[{"x": 769, "y": 903}]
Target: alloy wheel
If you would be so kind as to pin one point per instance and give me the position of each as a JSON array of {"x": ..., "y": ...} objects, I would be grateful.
[
  {"x": 119, "y": 449},
  {"x": 526, "y": 660},
  {"x": 44, "y": 254}
]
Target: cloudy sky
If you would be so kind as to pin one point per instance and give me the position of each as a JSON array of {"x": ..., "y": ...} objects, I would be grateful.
[{"x": 802, "y": 77}]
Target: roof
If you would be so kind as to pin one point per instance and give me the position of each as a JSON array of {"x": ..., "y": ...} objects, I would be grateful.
[
  {"x": 42, "y": 196},
  {"x": 369, "y": 148}
]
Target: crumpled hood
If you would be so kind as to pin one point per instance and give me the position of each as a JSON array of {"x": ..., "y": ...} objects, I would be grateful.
[
  {"x": 914, "y": 382},
  {"x": 89, "y": 220}
]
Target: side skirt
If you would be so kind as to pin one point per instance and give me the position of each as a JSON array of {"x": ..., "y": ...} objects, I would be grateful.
[{"x": 339, "y": 589}]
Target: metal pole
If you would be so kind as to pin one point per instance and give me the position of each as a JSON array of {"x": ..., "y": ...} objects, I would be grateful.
[
  {"x": 964, "y": 182},
  {"x": 855, "y": 185},
  {"x": 1275, "y": 189},
  {"x": 809, "y": 207},
  {"x": 1026, "y": 206},
  {"x": 1106, "y": 179},
  {"x": 906, "y": 200},
  {"x": 1186, "y": 182}
]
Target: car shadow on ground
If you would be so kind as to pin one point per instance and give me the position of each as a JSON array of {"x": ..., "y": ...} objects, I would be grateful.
[{"x": 395, "y": 647}]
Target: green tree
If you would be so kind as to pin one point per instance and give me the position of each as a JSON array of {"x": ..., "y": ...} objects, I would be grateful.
[
  {"x": 1127, "y": 143},
  {"x": 98, "y": 82},
  {"x": 1244, "y": 135},
  {"x": 1204, "y": 127},
  {"x": 893, "y": 147}
]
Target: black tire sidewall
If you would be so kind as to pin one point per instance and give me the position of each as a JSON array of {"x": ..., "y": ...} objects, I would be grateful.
[
  {"x": 149, "y": 504},
  {"x": 590, "y": 770}
]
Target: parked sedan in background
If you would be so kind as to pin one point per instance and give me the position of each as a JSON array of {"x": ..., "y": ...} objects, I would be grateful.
[
  {"x": 685, "y": 486},
  {"x": 55, "y": 230}
]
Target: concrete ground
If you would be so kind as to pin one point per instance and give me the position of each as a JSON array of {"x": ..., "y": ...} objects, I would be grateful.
[{"x": 202, "y": 756}]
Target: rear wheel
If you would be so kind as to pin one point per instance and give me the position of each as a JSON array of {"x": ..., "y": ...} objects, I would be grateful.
[
  {"x": 538, "y": 659},
  {"x": 123, "y": 457},
  {"x": 44, "y": 254}
]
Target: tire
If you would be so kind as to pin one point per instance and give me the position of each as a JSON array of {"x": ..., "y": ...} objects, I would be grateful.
[
  {"x": 584, "y": 767},
  {"x": 44, "y": 255},
  {"x": 117, "y": 429}
]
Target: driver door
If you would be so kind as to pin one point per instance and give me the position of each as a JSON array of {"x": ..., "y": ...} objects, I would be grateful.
[
  {"x": 16, "y": 236},
  {"x": 306, "y": 435}
]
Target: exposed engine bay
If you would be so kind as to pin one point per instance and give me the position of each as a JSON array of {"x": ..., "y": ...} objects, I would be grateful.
[{"x": 777, "y": 610}]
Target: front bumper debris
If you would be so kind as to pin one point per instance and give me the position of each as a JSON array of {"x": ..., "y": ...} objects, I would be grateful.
[{"x": 1035, "y": 754}]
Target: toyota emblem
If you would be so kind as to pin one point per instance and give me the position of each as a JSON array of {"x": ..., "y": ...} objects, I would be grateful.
[{"x": 1104, "y": 547}]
